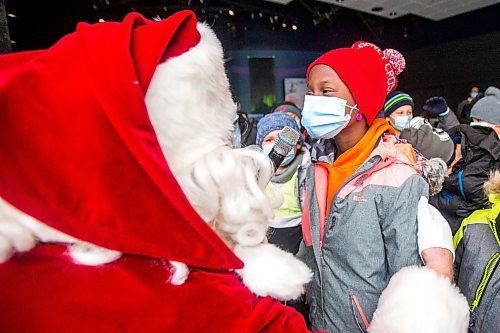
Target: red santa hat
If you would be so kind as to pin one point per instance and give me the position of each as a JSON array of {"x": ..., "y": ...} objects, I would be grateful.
[
  {"x": 79, "y": 152},
  {"x": 367, "y": 71}
]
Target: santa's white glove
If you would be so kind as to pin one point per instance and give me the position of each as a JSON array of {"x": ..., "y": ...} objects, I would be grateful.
[
  {"x": 14, "y": 237},
  {"x": 270, "y": 271}
]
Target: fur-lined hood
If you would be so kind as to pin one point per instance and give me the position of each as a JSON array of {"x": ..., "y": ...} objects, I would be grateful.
[{"x": 492, "y": 186}]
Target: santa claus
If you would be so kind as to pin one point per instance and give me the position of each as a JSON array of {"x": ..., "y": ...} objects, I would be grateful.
[
  {"x": 117, "y": 158},
  {"x": 118, "y": 138}
]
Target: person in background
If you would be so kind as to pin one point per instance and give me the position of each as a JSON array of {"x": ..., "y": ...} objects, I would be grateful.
[
  {"x": 245, "y": 130},
  {"x": 398, "y": 110},
  {"x": 436, "y": 107},
  {"x": 486, "y": 113},
  {"x": 290, "y": 109},
  {"x": 360, "y": 221},
  {"x": 464, "y": 107},
  {"x": 477, "y": 154},
  {"x": 287, "y": 187},
  {"x": 477, "y": 274}
]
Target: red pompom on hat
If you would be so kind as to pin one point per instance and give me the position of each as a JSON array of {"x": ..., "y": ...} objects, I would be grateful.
[{"x": 368, "y": 72}]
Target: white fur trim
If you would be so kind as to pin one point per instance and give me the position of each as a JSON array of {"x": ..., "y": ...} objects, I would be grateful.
[
  {"x": 19, "y": 232},
  {"x": 31, "y": 227},
  {"x": 189, "y": 103},
  {"x": 418, "y": 300},
  {"x": 179, "y": 271},
  {"x": 92, "y": 255},
  {"x": 270, "y": 271},
  {"x": 492, "y": 186}
]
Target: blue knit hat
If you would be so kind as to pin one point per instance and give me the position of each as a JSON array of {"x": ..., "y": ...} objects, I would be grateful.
[
  {"x": 396, "y": 99},
  {"x": 274, "y": 121}
]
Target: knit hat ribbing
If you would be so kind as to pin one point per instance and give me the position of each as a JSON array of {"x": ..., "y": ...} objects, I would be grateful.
[
  {"x": 287, "y": 107},
  {"x": 367, "y": 71},
  {"x": 395, "y": 100},
  {"x": 488, "y": 107},
  {"x": 271, "y": 122}
]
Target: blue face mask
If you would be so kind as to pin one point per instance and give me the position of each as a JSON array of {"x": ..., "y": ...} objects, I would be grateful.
[
  {"x": 324, "y": 117},
  {"x": 473, "y": 94},
  {"x": 401, "y": 122},
  {"x": 288, "y": 158}
]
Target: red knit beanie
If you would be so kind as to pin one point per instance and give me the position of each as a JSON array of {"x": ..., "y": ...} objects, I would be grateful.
[{"x": 367, "y": 71}]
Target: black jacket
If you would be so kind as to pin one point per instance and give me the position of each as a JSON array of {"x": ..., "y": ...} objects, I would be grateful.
[
  {"x": 248, "y": 129},
  {"x": 463, "y": 189}
]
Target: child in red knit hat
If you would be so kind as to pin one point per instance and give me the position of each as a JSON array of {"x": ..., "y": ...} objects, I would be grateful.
[{"x": 364, "y": 194}]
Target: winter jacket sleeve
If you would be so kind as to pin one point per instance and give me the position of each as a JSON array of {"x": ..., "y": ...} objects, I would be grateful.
[
  {"x": 399, "y": 224},
  {"x": 459, "y": 252},
  {"x": 448, "y": 121}
]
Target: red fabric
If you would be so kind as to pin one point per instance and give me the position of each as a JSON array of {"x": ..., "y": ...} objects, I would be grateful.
[
  {"x": 366, "y": 72},
  {"x": 79, "y": 152},
  {"x": 43, "y": 291}
]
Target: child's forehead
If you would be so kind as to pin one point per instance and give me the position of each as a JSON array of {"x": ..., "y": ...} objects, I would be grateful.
[{"x": 273, "y": 134}]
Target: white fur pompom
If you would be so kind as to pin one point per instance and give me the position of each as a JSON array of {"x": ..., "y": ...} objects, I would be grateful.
[
  {"x": 180, "y": 272},
  {"x": 270, "y": 271},
  {"x": 434, "y": 172},
  {"x": 418, "y": 300}
]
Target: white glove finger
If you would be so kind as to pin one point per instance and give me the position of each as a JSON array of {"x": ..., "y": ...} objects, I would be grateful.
[
  {"x": 20, "y": 237},
  {"x": 6, "y": 249}
]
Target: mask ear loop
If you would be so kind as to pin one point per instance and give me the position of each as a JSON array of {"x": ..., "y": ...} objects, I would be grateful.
[
  {"x": 359, "y": 116},
  {"x": 352, "y": 108}
]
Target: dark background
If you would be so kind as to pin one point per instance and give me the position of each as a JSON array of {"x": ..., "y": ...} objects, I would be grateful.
[{"x": 443, "y": 57}]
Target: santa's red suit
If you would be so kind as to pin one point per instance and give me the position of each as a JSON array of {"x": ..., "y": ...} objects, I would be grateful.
[{"x": 79, "y": 153}]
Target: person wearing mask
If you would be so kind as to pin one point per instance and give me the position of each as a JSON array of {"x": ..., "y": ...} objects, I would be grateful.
[
  {"x": 477, "y": 154},
  {"x": 287, "y": 184},
  {"x": 287, "y": 187},
  {"x": 464, "y": 107},
  {"x": 436, "y": 107},
  {"x": 398, "y": 110},
  {"x": 363, "y": 194}
]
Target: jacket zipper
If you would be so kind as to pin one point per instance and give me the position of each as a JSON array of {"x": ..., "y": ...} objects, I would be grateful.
[{"x": 321, "y": 254}]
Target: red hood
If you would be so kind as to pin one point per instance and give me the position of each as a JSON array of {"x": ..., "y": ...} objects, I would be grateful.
[{"x": 79, "y": 152}]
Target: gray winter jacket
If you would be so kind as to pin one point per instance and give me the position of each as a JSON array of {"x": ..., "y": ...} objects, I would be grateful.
[
  {"x": 477, "y": 266},
  {"x": 370, "y": 233}
]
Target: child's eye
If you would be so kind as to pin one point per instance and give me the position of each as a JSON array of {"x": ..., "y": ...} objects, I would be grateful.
[{"x": 328, "y": 91}]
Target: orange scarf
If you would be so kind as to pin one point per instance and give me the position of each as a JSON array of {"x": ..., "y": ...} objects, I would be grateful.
[{"x": 347, "y": 163}]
